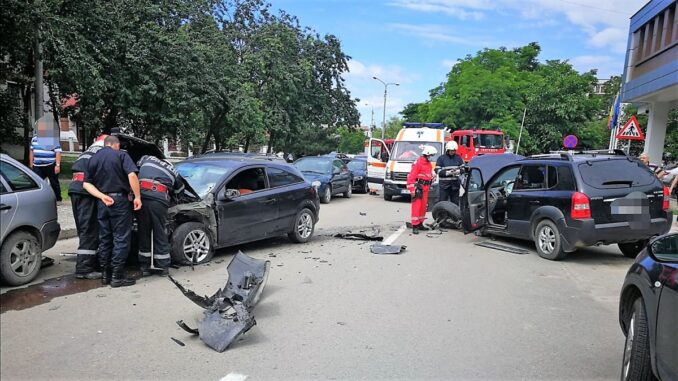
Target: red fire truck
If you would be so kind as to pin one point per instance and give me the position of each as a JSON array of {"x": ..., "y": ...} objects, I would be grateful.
[{"x": 478, "y": 142}]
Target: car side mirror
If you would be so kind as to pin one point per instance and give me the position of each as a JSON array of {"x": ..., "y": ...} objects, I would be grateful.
[{"x": 229, "y": 194}]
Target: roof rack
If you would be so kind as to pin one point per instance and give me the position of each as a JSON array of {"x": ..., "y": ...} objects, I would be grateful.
[
  {"x": 552, "y": 155},
  {"x": 614, "y": 152}
]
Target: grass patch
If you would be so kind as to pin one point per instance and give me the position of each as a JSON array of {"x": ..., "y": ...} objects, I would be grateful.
[{"x": 66, "y": 174}]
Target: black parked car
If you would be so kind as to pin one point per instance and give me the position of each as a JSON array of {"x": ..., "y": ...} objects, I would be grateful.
[
  {"x": 330, "y": 176},
  {"x": 358, "y": 168},
  {"x": 567, "y": 201},
  {"x": 648, "y": 313},
  {"x": 240, "y": 200}
]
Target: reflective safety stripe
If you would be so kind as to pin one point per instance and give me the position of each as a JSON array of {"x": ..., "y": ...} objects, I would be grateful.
[
  {"x": 161, "y": 256},
  {"x": 86, "y": 252},
  {"x": 145, "y": 254}
]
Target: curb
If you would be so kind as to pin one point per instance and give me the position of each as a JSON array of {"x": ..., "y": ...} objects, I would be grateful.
[{"x": 67, "y": 233}]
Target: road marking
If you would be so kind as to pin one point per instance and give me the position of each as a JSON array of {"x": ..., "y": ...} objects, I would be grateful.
[
  {"x": 395, "y": 235},
  {"x": 234, "y": 377}
]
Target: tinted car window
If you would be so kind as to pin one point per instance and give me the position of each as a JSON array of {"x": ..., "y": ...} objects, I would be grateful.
[
  {"x": 278, "y": 177},
  {"x": 565, "y": 178},
  {"x": 552, "y": 177},
  {"x": 666, "y": 249},
  {"x": 615, "y": 173},
  {"x": 531, "y": 177},
  {"x": 17, "y": 179},
  {"x": 2, "y": 188}
]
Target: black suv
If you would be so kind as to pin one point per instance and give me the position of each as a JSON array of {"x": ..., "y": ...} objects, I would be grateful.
[{"x": 565, "y": 201}]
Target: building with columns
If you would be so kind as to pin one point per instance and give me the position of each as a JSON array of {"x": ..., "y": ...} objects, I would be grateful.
[{"x": 651, "y": 69}]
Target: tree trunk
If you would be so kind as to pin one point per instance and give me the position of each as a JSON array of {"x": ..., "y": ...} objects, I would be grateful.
[
  {"x": 269, "y": 150},
  {"x": 54, "y": 102},
  {"x": 26, "y": 94},
  {"x": 247, "y": 144}
]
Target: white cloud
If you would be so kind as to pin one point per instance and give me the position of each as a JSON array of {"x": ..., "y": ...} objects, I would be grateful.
[
  {"x": 605, "y": 22},
  {"x": 448, "y": 63},
  {"x": 390, "y": 73},
  {"x": 607, "y": 66},
  {"x": 442, "y": 33}
]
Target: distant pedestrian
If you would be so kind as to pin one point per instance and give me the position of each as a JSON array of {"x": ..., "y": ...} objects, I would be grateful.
[
  {"x": 159, "y": 183},
  {"x": 46, "y": 162},
  {"x": 645, "y": 159},
  {"x": 111, "y": 176}
]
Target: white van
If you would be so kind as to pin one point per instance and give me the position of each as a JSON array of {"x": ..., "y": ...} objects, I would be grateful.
[{"x": 387, "y": 170}]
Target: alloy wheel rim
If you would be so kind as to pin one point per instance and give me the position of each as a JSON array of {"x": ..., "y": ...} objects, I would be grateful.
[
  {"x": 547, "y": 240},
  {"x": 628, "y": 349},
  {"x": 196, "y": 245},
  {"x": 23, "y": 258},
  {"x": 328, "y": 194},
  {"x": 305, "y": 225}
]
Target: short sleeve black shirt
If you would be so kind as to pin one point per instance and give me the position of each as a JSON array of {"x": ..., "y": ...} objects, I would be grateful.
[{"x": 108, "y": 169}]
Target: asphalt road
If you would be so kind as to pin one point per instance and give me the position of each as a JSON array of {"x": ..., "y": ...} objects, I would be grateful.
[{"x": 443, "y": 309}]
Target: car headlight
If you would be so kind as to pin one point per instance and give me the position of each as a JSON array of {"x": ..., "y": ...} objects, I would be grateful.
[
  {"x": 388, "y": 173},
  {"x": 358, "y": 178},
  {"x": 316, "y": 184}
]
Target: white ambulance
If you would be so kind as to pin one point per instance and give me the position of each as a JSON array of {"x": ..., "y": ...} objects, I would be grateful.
[{"x": 387, "y": 169}]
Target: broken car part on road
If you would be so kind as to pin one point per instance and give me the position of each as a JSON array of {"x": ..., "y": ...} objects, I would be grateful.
[
  {"x": 497, "y": 246},
  {"x": 359, "y": 236},
  {"x": 379, "y": 248},
  {"x": 228, "y": 313}
]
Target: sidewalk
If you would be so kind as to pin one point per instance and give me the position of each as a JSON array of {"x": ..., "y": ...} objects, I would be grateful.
[{"x": 65, "y": 215}]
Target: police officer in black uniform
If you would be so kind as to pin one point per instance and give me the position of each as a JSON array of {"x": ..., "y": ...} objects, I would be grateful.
[
  {"x": 448, "y": 186},
  {"x": 159, "y": 183},
  {"x": 85, "y": 215},
  {"x": 110, "y": 176}
]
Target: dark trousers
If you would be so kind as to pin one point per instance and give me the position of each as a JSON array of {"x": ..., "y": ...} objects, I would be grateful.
[
  {"x": 47, "y": 172},
  {"x": 87, "y": 225},
  {"x": 115, "y": 234},
  {"x": 152, "y": 218},
  {"x": 448, "y": 193}
]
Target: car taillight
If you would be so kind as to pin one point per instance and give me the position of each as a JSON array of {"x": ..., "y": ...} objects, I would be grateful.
[
  {"x": 665, "y": 204},
  {"x": 581, "y": 207}
]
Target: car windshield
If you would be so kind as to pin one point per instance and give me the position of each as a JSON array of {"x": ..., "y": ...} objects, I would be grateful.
[
  {"x": 488, "y": 141},
  {"x": 317, "y": 165},
  {"x": 202, "y": 177},
  {"x": 410, "y": 151},
  {"x": 357, "y": 165}
]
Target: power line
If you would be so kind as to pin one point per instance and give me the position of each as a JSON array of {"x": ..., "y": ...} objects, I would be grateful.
[{"x": 593, "y": 7}]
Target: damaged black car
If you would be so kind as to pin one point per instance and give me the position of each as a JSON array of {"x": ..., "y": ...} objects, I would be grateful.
[{"x": 233, "y": 200}]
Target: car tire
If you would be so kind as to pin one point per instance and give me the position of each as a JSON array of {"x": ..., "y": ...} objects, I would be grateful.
[
  {"x": 304, "y": 226},
  {"x": 547, "y": 241},
  {"x": 631, "y": 249},
  {"x": 190, "y": 238},
  {"x": 366, "y": 188},
  {"x": 447, "y": 214},
  {"x": 20, "y": 258},
  {"x": 387, "y": 197},
  {"x": 327, "y": 195},
  {"x": 636, "y": 363},
  {"x": 349, "y": 191}
]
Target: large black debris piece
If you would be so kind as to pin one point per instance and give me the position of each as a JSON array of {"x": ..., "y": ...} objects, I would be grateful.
[{"x": 228, "y": 313}]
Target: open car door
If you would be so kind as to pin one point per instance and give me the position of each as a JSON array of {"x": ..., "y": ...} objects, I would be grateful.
[
  {"x": 377, "y": 156},
  {"x": 474, "y": 202}
]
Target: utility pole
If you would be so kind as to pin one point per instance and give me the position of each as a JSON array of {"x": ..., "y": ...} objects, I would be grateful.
[
  {"x": 383, "y": 121},
  {"x": 39, "y": 91}
]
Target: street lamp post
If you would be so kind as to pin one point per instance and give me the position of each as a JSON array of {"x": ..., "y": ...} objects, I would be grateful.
[
  {"x": 371, "y": 120},
  {"x": 386, "y": 85}
]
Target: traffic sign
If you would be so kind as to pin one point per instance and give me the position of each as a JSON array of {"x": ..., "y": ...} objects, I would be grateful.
[
  {"x": 631, "y": 130},
  {"x": 570, "y": 141}
]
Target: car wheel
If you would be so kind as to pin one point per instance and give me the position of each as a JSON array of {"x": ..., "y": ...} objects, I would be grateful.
[
  {"x": 447, "y": 214},
  {"x": 191, "y": 240},
  {"x": 387, "y": 197},
  {"x": 327, "y": 195},
  {"x": 547, "y": 241},
  {"x": 366, "y": 188},
  {"x": 20, "y": 258},
  {"x": 349, "y": 191},
  {"x": 637, "y": 364},
  {"x": 631, "y": 249},
  {"x": 304, "y": 225}
]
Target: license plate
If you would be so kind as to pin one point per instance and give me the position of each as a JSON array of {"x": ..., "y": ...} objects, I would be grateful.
[
  {"x": 404, "y": 191},
  {"x": 634, "y": 204}
]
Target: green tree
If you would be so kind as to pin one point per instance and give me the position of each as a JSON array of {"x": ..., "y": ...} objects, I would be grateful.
[{"x": 350, "y": 140}]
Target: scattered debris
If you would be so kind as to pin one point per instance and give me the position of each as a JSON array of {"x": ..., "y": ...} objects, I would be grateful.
[
  {"x": 46, "y": 262},
  {"x": 228, "y": 313},
  {"x": 272, "y": 255},
  {"x": 181, "y": 343},
  {"x": 307, "y": 280},
  {"x": 363, "y": 213},
  {"x": 69, "y": 254},
  {"x": 341, "y": 322},
  {"x": 496, "y": 246},
  {"x": 54, "y": 308},
  {"x": 387, "y": 249},
  {"x": 359, "y": 237}
]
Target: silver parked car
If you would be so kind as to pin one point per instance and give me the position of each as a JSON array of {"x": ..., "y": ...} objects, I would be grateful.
[{"x": 28, "y": 221}]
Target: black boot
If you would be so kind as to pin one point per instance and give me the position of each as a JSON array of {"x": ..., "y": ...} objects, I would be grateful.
[
  {"x": 423, "y": 227},
  {"x": 415, "y": 229},
  {"x": 89, "y": 275},
  {"x": 164, "y": 272},
  {"x": 105, "y": 275},
  {"x": 120, "y": 279},
  {"x": 145, "y": 271}
]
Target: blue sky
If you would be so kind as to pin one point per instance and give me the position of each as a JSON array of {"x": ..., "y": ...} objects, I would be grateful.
[{"x": 416, "y": 42}]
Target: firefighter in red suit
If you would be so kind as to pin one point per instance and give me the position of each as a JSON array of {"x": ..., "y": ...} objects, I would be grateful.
[{"x": 418, "y": 183}]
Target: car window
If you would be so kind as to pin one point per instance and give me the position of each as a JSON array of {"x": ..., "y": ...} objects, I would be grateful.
[
  {"x": 316, "y": 165},
  {"x": 357, "y": 165},
  {"x": 465, "y": 141},
  {"x": 17, "y": 179},
  {"x": 565, "y": 179},
  {"x": 278, "y": 177},
  {"x": 531, "y": 177},
  {"x": 337, "y": 164},
  {"x": 616, "y": 173},
  {"x": 2, "y": 188},
  {"x": 551, "y": 177},
  {"x": 202, "y": 177},
  {"x": 666, "y": 249},
  {"x": 504, "y": 177},
  {"x": 248, "y": 181}
]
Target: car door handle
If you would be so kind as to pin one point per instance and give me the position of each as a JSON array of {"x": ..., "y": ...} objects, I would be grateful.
[
  {"x": 269, "y": 201},
  {"x": 535, "y": 202},
  {"x": 5, "y": 207}
]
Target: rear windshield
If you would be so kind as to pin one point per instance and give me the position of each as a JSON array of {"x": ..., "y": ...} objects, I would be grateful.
[{"x": 616, "y": 173}]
